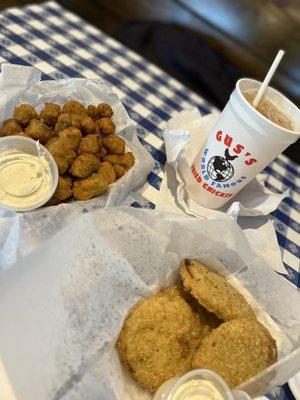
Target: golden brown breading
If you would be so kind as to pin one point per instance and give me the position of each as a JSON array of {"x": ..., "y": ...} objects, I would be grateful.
[
  {"x": 62, "y": 163},
  {"x": 89, "y": 144},
  {"x": 213, "y": 292},
  {"x": 112, "y": 158},
  {"x": 60, "y": 147},
  {"x": 236, "y": 350},
  {"x": 71, "y": 138},
  {"x": 159, "y": 338},
  {"x": 67, "y": 120},
  {"x": 84, "y": 165},
  {"x": 93, "y": 186},
  {"x": 11, "y": 127},
  {"x": 105, "y": 126},
  {"x": 108, "y": 172},
  {"x": 50, "y": 113},
  {"x": 104, "y": 110},
  {"x": 73, "y": 106},
  {"x": 88, "y": 126},
  {"x": 37, "y": 130},
  {"x": 119, "y": 170},
  {"x": 127, "y": 160},
  {"x": 114, "y": 144},
  {"x": 93, "y": 112},
  {"x": 63, "y": 190},
  {"x": 24, "y": 113}
]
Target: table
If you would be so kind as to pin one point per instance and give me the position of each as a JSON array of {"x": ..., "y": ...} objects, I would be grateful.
[{"x": 62, "y": 45}]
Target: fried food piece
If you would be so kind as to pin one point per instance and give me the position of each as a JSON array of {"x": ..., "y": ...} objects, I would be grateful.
[
  {"x": 11, "y": 127},
  {"x": 213, "y": 292},
  {"x": 88, "y": 126},
  {"x": 112, "y": 158},
  {"x": 37, "y": 130},
  {"x": 127, "y": 160},
  {"x": 104, "y": 110},
  {"x": 102, "y": 153},
  {"x": 105, "y": 126},
  {"x": 108, "y": 172},
  {"x": 93, "y": 186},
  {"x": 89, "y": 144},
  {"x": 50, "y": 114},
  {"x": 84, "y": 165},
  {"x": 119, "y": 170},
  {"x": 61, "y": 148},
  {"x": 114, "y": 144},
  {"x": 73, "y": 106},
  {"x": 62, "y": 163},
  {"x": 71, "y": 138},
  {"x": 24, "y": 113},
  {"x": 159, "y": 338},
  {"x": 63, "y": 190},
  {"x": 67, "y": 120},
  {"x": 93, "y": 112},
  {"x": 236, "y": 350}
]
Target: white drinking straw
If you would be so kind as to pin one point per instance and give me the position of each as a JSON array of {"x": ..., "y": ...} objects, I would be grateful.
[{"x": 267, "y": 79}]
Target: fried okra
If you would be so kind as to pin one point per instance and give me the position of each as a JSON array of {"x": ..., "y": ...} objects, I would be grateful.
[
  {"x": 104, "y": 110},
  {"x": 93, "y": 186},
  {"x": 89, "y": 144},
  {"x": 50, "y": 114},
  {"x": 114, "y": 144},
  {"x": 37, "y": 130},
  {"x": 73, "y": 106},
  {"x": 105, "y": 126},
  {"x": 84, "y": 165},
  {"x": 24, "y": 113},
  {"x": 11, "y": 127}
]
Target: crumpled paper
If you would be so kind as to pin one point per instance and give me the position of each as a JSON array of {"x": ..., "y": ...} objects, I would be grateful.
[
  {"x": 184, "y": 136},
  {"x": 21, "y": 233},
  {"x": 63, "y": 306}
]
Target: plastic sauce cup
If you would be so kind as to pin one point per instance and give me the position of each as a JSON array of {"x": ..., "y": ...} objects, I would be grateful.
[
  {"x": 29, "y": 146},
  {"x": 241, "y": 144},
  {"x": 206, "y": 385}
]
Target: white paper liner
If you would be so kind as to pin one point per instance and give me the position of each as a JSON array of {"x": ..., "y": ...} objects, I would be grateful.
[
  {"x": 185, "y": 135},
  {"x": 62, "y": 307},
  {"x": 21, "y": 233}
]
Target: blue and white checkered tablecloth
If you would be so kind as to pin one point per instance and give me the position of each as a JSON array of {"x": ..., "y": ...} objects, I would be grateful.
[{"x": 62, "y": 45}]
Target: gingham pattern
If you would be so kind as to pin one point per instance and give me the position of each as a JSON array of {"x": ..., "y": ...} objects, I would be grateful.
[{"x": 62, "y": 45}]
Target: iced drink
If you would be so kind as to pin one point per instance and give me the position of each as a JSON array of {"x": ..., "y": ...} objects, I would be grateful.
[
  {"x": 243, "y": 141},
  {"x": 270, "y": 110}
]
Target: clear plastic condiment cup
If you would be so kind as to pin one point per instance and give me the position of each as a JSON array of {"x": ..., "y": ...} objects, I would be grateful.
[
  {"x": 29, "y": 146},
  {"x": 170, "y": 389}
]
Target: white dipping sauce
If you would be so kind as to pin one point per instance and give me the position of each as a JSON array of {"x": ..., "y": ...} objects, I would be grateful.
[
  {"x": 196, "y": 389},
  {"x": 25, "y": 179}
]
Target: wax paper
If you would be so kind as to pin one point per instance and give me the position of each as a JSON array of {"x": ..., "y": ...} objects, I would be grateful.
[
  {"x": 20, "y": 233},
  {"x": 185, "y": 135},
  {"x": 62, "y": 307}
]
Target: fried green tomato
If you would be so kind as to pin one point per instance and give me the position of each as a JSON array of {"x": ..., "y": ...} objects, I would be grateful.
[
  {"x": 84, "y": 165},
  {"x": 119, "y": 170},
  {"x": 37, "y": 130},
  {"x": 50, "y": 114},
  {"x": 63, "y": 190},
  {"x": 114, "y": 144},
  {"x": 105, "y": 126},
  {"x": 24, "y": 113},
  {"x": 159, "y": 338},
  {"x": 236, "y": 350},
  {"x": 89, "y": 144},
  {"x": 93, "y": 186},
  {"x": 213, "y": 292},
  {"x": 11, "y": 127},
  {"x": 73, "y": 106},
  {"x": 108, "y": 172},
  {"x": 104, "y": 110}
]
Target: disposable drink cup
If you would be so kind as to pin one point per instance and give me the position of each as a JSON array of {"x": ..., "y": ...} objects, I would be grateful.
[{"x": 241, "y": 144}]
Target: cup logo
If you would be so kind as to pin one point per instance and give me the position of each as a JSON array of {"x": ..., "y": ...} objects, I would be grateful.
[{"x": 220, "y": 168}]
